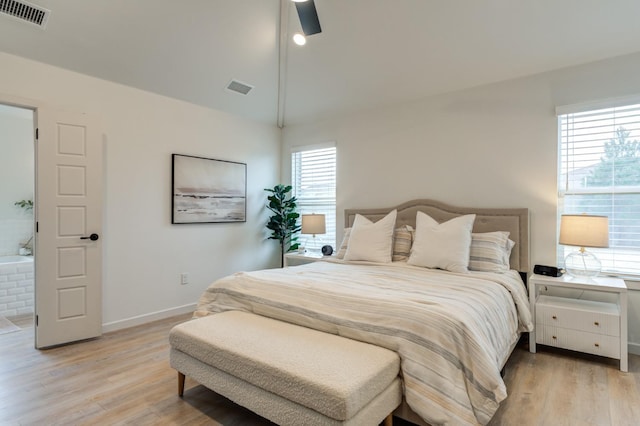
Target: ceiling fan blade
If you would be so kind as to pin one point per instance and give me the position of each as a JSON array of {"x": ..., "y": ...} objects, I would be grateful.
[{"x": 308, "y": 17}]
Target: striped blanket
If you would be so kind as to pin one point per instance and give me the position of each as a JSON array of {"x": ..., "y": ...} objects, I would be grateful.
[{"x": 452, "y": 331}]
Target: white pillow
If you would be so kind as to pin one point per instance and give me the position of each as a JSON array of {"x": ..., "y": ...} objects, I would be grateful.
[
  {"x": 442, "y": 245},
  {"x": 507, "y": 254},
  {"x": 345, "y": 243},
  {"x": 402, "y": 238},
  {"x": 372, "y": 242}
]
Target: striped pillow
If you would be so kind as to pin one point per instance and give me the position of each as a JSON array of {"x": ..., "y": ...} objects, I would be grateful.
[
  {"x": 490, "y": 251},
  {"x": 402, "y": 238}
]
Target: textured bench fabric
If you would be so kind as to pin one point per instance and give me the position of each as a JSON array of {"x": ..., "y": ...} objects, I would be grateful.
[
  {"x": 329, "y": 374},
  {"x": 276, "y": 408}
]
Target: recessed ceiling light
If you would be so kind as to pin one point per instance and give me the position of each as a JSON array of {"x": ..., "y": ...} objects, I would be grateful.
[
  {"x": 299, "y": 39},
  {"x": 299, "y": 1}
]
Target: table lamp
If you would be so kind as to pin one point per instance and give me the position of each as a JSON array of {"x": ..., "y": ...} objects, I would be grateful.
[
  {"x": 583, "y": 231},
  {"x": 313, "y": 224}
]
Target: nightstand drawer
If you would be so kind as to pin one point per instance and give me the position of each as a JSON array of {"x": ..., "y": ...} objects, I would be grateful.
[
  {"x": 577, "y": 314},
  {"x": 590, "y": 326},
  {"x": 596, "y": 344},
  {"x": 296, "y": 259}
]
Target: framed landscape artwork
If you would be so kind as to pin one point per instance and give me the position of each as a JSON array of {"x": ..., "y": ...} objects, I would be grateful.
[{"x": 205, "y": 190}]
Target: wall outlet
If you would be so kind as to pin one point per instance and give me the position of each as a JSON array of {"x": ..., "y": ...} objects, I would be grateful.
[{"x": 184, "y": 278}]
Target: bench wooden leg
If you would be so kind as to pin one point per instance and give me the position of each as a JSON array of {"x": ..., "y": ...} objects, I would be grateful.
[
  {"x": 181, "y": 385},
  {"x": 388, "y": 421}
]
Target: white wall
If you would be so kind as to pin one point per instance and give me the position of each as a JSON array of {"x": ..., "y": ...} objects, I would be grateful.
[
  {"x": 16, "y": 177},
  {"x": 143, "y": 253},
  {"x": 491, "y": 146}
]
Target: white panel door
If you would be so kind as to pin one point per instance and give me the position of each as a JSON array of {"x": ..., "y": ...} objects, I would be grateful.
[{"x": 68, "y": 271}]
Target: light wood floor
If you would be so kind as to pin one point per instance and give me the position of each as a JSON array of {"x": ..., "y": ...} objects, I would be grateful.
[{"x": 124, "y": 378}]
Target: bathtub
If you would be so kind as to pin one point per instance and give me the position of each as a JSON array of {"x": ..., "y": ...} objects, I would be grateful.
[
  {"x": 15, "y": 259},
  {"x": 16, "y": 285}
]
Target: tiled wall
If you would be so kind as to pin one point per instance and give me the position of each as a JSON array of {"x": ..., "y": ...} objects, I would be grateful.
[{"x": 16, "y": 289}]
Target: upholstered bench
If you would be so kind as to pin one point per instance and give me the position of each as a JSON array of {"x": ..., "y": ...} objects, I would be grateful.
[{"x": 288, "y": 374}]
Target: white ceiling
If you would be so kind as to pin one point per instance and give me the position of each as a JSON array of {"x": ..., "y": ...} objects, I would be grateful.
[{"x": 371, "y": 53}]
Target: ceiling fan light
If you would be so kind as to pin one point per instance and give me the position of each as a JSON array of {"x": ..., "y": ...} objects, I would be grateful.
[{"x": 299, "y": 39}]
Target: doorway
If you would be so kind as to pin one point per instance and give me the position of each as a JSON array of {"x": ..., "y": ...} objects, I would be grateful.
[
  {"x": 17, "y": 187},
  {"x": 66, "y": 199}
]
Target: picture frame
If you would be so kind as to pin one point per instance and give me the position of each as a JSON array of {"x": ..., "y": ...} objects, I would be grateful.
[{"x": 206, "y": 190}]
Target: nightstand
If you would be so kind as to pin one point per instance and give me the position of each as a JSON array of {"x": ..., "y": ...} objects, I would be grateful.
[
  {"x": 589, "y": 326},
  {"x": 295, "y": 258}
]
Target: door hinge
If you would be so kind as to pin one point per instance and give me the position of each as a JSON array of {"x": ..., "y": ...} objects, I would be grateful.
[
  {"x": 36, "y": 320},
  {"x": 37, "y": 223},
  {"x": 37, "y": 133}
]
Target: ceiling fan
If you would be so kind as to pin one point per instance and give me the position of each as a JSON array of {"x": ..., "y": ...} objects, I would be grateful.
[{"x": 308, "y": 20}]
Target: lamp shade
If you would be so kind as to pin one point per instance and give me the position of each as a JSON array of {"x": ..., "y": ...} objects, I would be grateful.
[
  {"x": 313, "y": 224},
  {"x": 584, "y": 230}
]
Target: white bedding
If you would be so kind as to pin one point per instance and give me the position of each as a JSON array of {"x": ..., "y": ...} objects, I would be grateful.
[{"x": 452, "y": 331}]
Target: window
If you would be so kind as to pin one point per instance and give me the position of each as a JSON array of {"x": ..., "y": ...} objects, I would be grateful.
[
  {"x": 313, "y": 177},
  {"x": 599, "y": 173}
]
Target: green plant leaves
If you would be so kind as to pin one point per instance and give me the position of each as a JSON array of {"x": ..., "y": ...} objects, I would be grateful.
[
  {"x": 283, "y": 223},
  {"x": 25, "y": 204}
]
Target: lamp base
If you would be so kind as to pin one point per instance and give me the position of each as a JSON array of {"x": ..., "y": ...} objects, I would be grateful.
[
  {"x": 582, "y": 264},
  {"x": 312, "y": 244}
]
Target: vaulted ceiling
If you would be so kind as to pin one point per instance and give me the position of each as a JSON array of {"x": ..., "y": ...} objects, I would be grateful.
[{"x": 370, "y": 53}]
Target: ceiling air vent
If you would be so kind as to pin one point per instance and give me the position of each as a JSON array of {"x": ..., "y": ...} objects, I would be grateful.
[
  {"x": 236, "y": 86},
  {"x": 25, "y": 12}
]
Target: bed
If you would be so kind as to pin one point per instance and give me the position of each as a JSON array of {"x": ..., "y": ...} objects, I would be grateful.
[{"x": 454, "y": 330}]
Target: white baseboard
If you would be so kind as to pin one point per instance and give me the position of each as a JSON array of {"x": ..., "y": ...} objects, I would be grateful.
[
  {"x": 634, "y": 348},
  {"x": 143, "y": 319}
]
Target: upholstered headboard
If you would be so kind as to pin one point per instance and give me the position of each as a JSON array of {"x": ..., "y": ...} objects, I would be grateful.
[{"x": 515, "y": 221}]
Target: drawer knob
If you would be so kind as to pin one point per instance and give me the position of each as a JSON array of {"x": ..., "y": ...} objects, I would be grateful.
[
  {"x": 554, "y": 337},
  {"x": 554, "y": 317},
  {"x": 597, "y": 345},
  {"x": 597, "y": 324}
]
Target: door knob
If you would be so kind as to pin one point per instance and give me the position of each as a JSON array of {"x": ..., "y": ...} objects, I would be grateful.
[{"x": 92, "y": 237}]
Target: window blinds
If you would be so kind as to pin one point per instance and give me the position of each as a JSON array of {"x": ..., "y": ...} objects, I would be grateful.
[
  {"x": 313, "y": 177},
  {"x": 599, "y": 173}
]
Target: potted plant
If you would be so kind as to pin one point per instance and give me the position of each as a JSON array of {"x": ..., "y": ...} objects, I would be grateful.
[
  {"x": 25, "y": 248},
  {"x": 27, "y": 205},
  {"x": 283, "y": 224}
]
